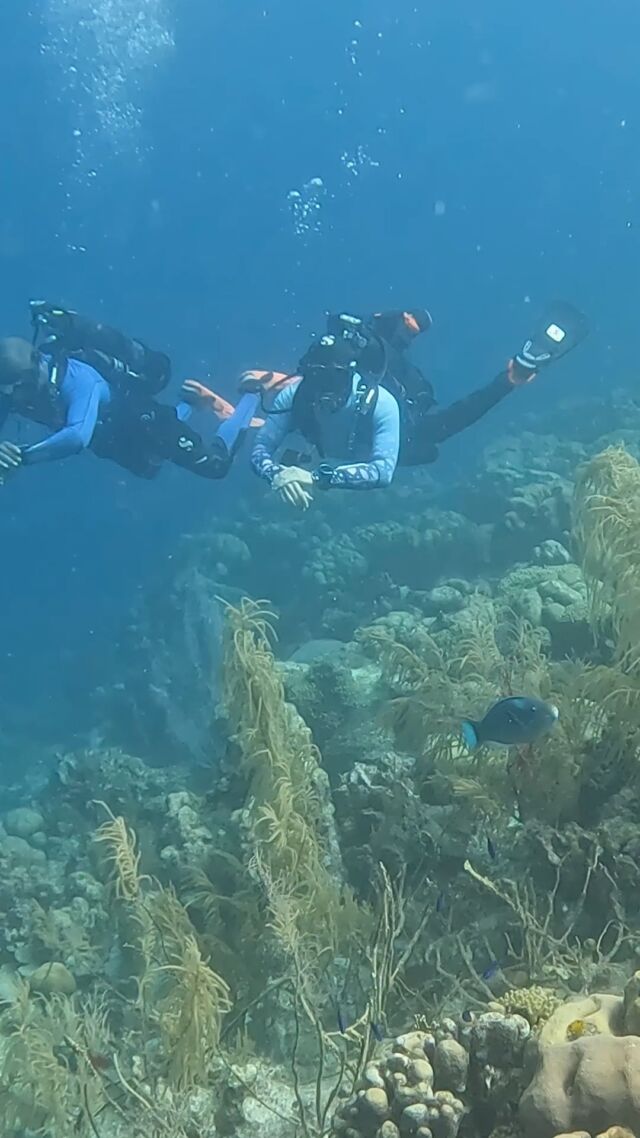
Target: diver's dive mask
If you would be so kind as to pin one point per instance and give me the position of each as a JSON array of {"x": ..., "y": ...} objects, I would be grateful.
[{"x": 327, "y": 374}]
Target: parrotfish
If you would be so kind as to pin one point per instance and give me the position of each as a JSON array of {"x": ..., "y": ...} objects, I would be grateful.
[{"x": 514, "y": 721}]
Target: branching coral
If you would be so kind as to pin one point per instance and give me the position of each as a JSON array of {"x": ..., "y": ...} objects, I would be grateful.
[
  {"x": 535, "y": 1003},
  {"x": 435, "y": 691},
  {"x": 290, "y": 822},
  {"x": 50, "y": 1069},
  {"x": 558, "y": 778},
  {"x": 542, "y": 935},
  {"x": 180, "y": 995},
  {"x": 122, "y": 853},
  {"x": 607, "y": 524},
  {"x": 189, "y": 1001}
]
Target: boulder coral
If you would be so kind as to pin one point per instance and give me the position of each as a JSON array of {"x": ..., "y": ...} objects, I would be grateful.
[
  {"x": 432, "y": 1078},
  {"x": 588, "y": 1084},
  {"x": 586, "y": 1067}
]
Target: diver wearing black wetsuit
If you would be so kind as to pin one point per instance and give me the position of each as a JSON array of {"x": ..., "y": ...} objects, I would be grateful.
[
  {"x": 381, "y": 343},
  {"x": 117, "y": 418}
]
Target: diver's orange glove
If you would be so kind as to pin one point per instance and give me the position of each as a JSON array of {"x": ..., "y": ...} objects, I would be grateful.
[{"x": 205, "y": 399}]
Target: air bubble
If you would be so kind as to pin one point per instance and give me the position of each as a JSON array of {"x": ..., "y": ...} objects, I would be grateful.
[
  {"x": 305, "y": 206},
  {"x": 357, "y": 161},
  {"x": 101, "y": 56}
]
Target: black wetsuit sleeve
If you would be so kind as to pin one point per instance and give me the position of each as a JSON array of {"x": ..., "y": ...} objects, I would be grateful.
[
  {"x": 5, "y": 409},
  {"x": 442, "y": 425}
]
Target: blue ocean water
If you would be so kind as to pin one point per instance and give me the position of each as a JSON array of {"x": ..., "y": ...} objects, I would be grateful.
[{"x": 474, "y": 160}]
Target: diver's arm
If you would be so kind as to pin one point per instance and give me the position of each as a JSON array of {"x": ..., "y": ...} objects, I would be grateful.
[
  {"x": 380, "y": 469},
  {"x": 270, "y": 437},
  {"x": 81, "y": 393},
  {"x": 442, "y": 425},
  {"x": 6, "y": 402}
]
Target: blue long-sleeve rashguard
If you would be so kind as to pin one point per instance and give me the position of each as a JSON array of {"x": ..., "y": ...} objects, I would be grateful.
[
  {"x": 80, "y": 397},
  {"x": 335, "y": 431},
  {"x": 84, "y": 395}
]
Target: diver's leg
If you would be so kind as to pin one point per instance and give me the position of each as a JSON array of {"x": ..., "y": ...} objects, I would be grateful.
[
  {"x": 234, "y": 420},
  {"x": 231, "y": 432},
  {"x": 561, "y": 328},
  {"x": 184, "y": 447}
]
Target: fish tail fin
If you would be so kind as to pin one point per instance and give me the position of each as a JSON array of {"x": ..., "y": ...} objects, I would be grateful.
[{"x": 470, "y": 733}]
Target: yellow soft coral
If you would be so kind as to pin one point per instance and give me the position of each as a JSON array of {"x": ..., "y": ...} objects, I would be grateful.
[
  {"x": 123, "y": 854},
  {"x": 607, "y": 523},
  {"x": 286, "y": 817}
]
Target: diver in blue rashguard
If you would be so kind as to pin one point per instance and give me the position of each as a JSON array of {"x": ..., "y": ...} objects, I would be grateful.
[
  {"x": 63, "y": 386},
  {"x": 341, "y": 415},
  {"x": 363, "y": 404}
]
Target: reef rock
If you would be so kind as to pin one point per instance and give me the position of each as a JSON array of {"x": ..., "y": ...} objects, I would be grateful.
[
  {"x": 23, "y": 822},
  {"x": 599, "y": 1014},
  {"x": 397, "y": 1097},
  {"x": 590, "y": 1084},
  {"x": 52, "y": 979}
]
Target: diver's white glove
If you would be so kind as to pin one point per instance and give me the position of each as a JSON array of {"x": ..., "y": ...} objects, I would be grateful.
[
  {"x": 293, "y": 486},
  {"x": 10, "y": 460}
]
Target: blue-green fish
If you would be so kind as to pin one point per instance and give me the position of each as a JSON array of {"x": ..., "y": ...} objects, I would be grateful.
[{"x": 514, "y": 721}]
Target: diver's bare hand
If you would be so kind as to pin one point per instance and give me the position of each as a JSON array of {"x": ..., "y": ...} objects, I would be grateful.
[
  {"x": 292, "y": 485},
  {"x": 10, "y": 457}
]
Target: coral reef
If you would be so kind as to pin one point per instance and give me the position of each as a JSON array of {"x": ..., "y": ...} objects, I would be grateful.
[
  {"x": 428, "y": 1081},
  {"x": 311, "y": 911},
  {"x": 483, "y": 1070}
]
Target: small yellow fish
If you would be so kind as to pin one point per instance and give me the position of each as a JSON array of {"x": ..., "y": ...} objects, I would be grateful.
[{"x": 580, "y": 1027}]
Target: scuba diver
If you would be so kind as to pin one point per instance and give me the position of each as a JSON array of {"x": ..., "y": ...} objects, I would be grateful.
[
  {"x": 95, "y": 389},
  {"x": 361, "y": 402}
]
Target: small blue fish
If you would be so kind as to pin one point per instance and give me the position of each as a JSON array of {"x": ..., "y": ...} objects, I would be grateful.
[
  {"x": 377, "y": 1031},
  {"x": 491, "y": 970},
  {"x": 491, "y": 849},
  {"x": 513, "y": 721},
  {"x": 342, "y": 1023},
  {"x": 441, "y": 902}
]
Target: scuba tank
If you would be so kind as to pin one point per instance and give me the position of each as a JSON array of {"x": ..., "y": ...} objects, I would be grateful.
[{"x": 126, "y": 363}]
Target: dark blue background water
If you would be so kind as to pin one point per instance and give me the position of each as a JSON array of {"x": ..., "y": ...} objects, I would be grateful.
[{"x": 521, "y": 118}]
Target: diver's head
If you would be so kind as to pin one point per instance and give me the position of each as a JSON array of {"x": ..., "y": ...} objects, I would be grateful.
[
  {"x": 401, "y": 328},
  {"x": 21, "y": 365},
  {"x": 327, "y": 372}
]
